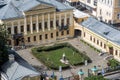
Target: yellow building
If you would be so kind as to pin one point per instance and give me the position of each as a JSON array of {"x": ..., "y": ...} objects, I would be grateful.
[
  {"x": 101, "y": 36},
  {"x": 33, "y": 22},
  {"x": 109, "y": 11}
]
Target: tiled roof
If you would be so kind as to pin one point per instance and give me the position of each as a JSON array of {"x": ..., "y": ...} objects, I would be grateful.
[
  {"x": 15, "y": 8},
  {"x": 102, "y": 29},
  {"x": 18, "y": 69}
]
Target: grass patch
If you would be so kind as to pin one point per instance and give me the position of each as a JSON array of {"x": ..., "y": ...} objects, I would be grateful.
[{"x": 51, "y": 55}]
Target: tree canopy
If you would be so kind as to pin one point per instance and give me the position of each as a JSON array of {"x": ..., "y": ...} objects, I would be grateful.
[{"x": 3, "y": 43}]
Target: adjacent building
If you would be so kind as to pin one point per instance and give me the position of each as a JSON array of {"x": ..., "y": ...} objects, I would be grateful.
[
  {"x": 101, "y": 36},
  {"x": 89, "y": 5},
  {"x": 32, "y": 22},
  {"x": 108, "y": 11},
  {"x": 18, "y": 69}
]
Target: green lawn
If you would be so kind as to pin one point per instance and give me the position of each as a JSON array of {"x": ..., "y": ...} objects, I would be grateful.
[{"x": 52, "y": 58}]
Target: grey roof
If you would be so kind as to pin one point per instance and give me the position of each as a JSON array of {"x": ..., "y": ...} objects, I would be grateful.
[
  {"x": 15, "y": 8},
  {"x": 102, "y": 29},
  {"x": 18, "y": 69}
]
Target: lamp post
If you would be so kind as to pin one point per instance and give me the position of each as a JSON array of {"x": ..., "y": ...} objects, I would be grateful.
[
  {"x": 94, "y": 70},
  {"x": 81, "y": 74}
]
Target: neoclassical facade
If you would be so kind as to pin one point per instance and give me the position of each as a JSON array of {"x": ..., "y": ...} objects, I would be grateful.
[
  {"x": 33, "y": 22},
  {"x": 101, "y": 36}
]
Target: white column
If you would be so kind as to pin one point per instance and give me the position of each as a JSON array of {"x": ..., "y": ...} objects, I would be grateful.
[
  {"x": 37, "y": 24},
  {"x": 54, "y": 21},
  {"x": 48, "y": 21},
  {"x": 71, "y": 18},
  {"x": 59, "y": 19},
  {"x": 19, "y": 30},
  {"x": 25, "y": 26},
  {"x": 12, "y": 28},
  {"x": 31, "y": 25},
  {"x": 65, "y": 19},
  {"x": 43, "y": 23}
]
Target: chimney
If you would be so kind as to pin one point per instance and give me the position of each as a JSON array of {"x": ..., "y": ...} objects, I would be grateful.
[{"x": 11, "y": 58}]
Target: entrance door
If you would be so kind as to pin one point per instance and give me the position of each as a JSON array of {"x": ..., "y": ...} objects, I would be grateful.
[
  {"x": 111, "y": 50},
  {"x": 17, "y": 42}
]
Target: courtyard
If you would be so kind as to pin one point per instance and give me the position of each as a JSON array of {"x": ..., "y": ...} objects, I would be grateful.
[
  {"x": 51, "y": 56},
  {"x": 90, "y": 52}
]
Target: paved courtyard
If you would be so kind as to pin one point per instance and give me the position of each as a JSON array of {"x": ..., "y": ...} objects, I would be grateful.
[{"x": 96, "y": 59}]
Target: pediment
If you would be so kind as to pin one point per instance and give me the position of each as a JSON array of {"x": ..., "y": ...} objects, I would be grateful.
[{"x": 42, "y": 6}]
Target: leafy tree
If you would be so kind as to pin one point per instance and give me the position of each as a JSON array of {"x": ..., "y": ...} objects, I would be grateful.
[
  {"x": 3, "y": 43},
  {"x": 95, "y": 78}
]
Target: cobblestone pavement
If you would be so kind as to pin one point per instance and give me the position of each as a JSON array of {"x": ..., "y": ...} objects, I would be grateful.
[{"x": 96, "y": 59}]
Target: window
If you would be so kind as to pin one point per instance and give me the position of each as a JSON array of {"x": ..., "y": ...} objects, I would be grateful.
[
  {"x": 15, "y": 29},
  {"x": 95, "y": 2},
  {"x": 34, "y": 38},
  {"x": 40, "y": 26},
  {"x": 51, "y": 24},
  {"x": 45, "y": 25},
  {"x": 28, "y": 39},
  {"x": 94, "y": 40},
  {"x": 51, "y": 35},
  {"x": 34, "y": 27},
  {"x": 62, "y": 22},
  {"x": 67, "y": 31},
  {"x": 40, "y": 37},
  {"x": 100, "y": 11},
  {"x": 98, "y": 42},
  {"x": 91, "y": 38},
  {"x": 22, "y": 29},
  {"x": 84, "y": 34},
  {"x": 62, "y": 33},
  {"x": 57, "y": 22},
  {"x": 88, "y": 1},
  {"x": 118, "y": 16},
  {"x": 101, "y": 44},
  {"x": 9, "y": 30},
  {"x": 116, "y": 52},
  {"x": 118, "y": 3},
  {"x": 28, "y": 27},
  {"x": 46, "y": 36},
  {"x": 105, "y": 46},
  {"x": 57, "y": 34}
]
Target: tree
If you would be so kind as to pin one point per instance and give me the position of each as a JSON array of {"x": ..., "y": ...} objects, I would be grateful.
[
  {"x": 3, "y": 43},
  {"x": 95, "y": 78}
]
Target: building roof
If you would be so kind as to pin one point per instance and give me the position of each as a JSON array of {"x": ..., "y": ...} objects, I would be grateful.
[
  {"x": 18, "y": 69},
  {"x": 102, "y": 29},
  {"x": 79, "y": 14},
  {"x": 16, "y": 8}
]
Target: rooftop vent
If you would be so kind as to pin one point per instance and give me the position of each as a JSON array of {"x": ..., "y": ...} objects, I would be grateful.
[{"x": 106, "y": 33}]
